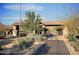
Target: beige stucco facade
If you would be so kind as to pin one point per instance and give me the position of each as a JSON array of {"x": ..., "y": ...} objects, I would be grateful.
[
  {"x": 12, "y": 31},
  {"x": 50, "y": 28},
  {"x": 64, "y": 30}
]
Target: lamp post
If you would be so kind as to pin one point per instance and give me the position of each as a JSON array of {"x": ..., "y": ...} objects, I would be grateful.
[{"x": 20, "y": 20}]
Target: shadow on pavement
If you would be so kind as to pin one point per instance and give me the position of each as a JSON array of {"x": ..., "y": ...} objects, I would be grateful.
[
  {"x": 42, "y": 50},
  {"x": 50, "y": 35}
]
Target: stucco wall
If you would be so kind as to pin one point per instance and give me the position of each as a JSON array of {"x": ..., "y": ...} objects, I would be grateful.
[{"x": 50, "y": 28}]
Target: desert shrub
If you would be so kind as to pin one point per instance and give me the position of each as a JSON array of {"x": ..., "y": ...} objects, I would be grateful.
[
  {"x": 77, "y": 42},
  {"x": 71, "y": 37},
  {"x": 22, "y": 44},
  {"x": 77, "y": 47},
  {"x": 29, "y": 37},
  {"x": 39, "y": 38},
  {"x": 25, "y": 43}
]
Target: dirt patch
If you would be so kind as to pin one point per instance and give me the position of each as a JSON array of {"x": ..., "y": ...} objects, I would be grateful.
[{"x": 72, "y": 43}]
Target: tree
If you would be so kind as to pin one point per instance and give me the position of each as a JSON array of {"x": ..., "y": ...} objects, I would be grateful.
[
  {"x": 28, "y": 24},
  {"x": 33, "y": 23},
  {"x": 38, "y": 26}
]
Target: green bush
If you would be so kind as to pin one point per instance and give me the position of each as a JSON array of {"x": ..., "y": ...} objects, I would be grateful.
[
  {"x": 71, "y": 38},
  {"x": 24, "y": 43}
]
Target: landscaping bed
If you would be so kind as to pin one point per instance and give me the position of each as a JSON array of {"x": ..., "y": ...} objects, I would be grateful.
[
  {"x": 22, "y": 45},
  {"x": 74, "y": 42},
  {"x": 16, "y": 50}
]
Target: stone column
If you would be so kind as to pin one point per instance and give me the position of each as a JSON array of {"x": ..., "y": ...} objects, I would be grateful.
[
  {"x": 14, "y": 31},
  {"x": 6, "y": 32}
]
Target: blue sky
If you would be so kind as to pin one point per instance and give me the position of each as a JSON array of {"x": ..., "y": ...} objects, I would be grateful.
[{"x": 10, "y": 12}]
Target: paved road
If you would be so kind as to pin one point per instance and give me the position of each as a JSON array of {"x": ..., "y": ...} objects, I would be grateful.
[
  {"x": 54, "y": 47},
  {"x": 57, "y": 47},
  {"x": 5, "y": 41}
]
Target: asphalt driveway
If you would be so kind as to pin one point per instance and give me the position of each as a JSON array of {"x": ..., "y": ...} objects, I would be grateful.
[{"x": 54, "y": 47}]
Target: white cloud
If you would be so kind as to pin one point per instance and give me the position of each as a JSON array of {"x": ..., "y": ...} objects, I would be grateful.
[
  {"x": 11, "y": 18},
  {"x": 23, "y": 7},
  {"x": 12, "y": 7}
]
